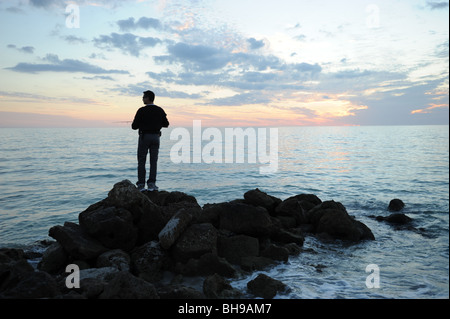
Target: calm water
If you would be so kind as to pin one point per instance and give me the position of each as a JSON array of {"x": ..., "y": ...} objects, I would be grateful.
[{"x": 48, "y": 176}]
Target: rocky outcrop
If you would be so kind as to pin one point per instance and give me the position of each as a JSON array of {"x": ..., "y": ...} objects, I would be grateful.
[
  {"x": 331, "y": 219},
  {"x": 126, "y": 244}
]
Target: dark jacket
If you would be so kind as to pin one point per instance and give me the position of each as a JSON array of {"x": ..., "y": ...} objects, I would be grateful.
[{"x": 150, "y": 119}]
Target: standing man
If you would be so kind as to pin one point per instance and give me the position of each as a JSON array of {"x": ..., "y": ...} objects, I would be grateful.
[{"x": 149, "y": 120}]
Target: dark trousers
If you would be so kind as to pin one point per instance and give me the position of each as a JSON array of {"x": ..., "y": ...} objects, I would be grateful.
[{"x": 147, "y": 143}]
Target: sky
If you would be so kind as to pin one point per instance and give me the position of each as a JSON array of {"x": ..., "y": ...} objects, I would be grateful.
[{"x": 228, "y": 63}]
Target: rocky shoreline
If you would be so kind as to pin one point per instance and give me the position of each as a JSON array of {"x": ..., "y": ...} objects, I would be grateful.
[{"x": 128, "y": 245}]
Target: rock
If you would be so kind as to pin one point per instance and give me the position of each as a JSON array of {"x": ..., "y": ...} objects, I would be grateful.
[
  {"x": 35, "y": 285},
  {"x": 116, "y": 258},
  {"x": 147, "y": 261},
  {"x": 211, "y": 263},
  {"x": 174, "y": 228},
  {"x": 396, "y": 205},
  {"x": 235, "y": 247},
  {"x": 211, "y": 214},
  {"x": 207, "y": 264},
  {"x": 245, "y": 219},
  {"x": 126, "y": 286},
  {"x": 125, "y": 195},
  {"x": 179, "y": 292},
  {"x": 258, "y": 198},
  {"x": 92, "y": 281},
  {"x": 164, "y": 198},
  {"x": 293, "y": 248},
  {"x": 196, "y": 240},
  {"x": 396, "y": 218},
  {"x": 286, "y": 237},
  {"x": 54, "y": 259},
  {"x": 76, "y": 242},
  {"x": 250, "y": 263},
  {"x": 216, "y": 287},
  {"x": 13, "y": 269},
  {"x": 331, "y": 218},
  {"x": 103, "y": 273},
  {"x": 265, "y": 286},
  {"x": 112, "y": 226},
  {"x": 276, "y": 252},
  {"x": 147, "y": 216},
  {"x": 291, "y": 208}
]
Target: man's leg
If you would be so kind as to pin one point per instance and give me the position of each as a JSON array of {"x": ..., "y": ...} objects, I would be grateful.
[
  {"x": 154, "y": 152},
  {"x": 142, "y": 159}
]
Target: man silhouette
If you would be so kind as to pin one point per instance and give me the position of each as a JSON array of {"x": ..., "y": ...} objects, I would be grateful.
[{"x": 149, "y": 120}]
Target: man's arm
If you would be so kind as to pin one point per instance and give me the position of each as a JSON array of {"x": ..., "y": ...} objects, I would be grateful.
[
  {"x": 165, "y": 121},
  {"x": 136, "y": 121}
]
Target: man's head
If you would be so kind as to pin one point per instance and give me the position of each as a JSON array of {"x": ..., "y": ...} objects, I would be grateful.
[{"x": 149, "y": 97}]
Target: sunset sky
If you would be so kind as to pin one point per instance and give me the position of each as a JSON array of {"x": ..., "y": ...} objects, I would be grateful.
[{"x": 227, "y": 63}]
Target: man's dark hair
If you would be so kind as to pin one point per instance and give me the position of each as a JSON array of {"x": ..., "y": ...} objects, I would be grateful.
[{"x": 150, "y": 95}]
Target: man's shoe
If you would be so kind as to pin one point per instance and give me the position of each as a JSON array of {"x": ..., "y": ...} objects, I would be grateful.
[
  {"x": 141, "y": 188},
  {"x": 152, "y": 187}
]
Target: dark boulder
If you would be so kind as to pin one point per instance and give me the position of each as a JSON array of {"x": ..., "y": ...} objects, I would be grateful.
[
  {"x": 252, "y": 263},
  {"x": 217, "y": 287},
  {"x": 116, "y": 258},
  {"x": 54, "y": 259},
  {"x": 331, "y": 219},
  {"x": 306, "y": 201},
  {"x": 76, "y": 242},
  {"x": 148, "y": 261},
  {"x": 147, "y": 216},
  {"x": 265, "y": 286},
  {"x": 293, "y": 209},
  {"x": 179, "y": 292},
  {"x": 126, "y": 286},
  {"x": 13, "y": 269},
  {"x": 245, "y": 219},
  {"x": 112, "y": 226},
  {"x": 196, "y": 240},
  {"x": 258, "y": 198},
  {"x": 35, "y": 285},
  {"x": 275, "y": 252},
  {"x": 396, "y": 218},
  {"x": 207, "y": 264},
  {"x": 396, "y": 205},
  {"x": 233, "y": 248}
]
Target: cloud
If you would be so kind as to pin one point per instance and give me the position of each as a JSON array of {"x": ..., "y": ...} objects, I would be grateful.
[
  {"x": 428, "y": 109},
  {"x": 51, "y": 4},
  {"x": 66, "y": 65},
  {"x": 205, "y": 65},
  {"x": 44, "y": 3},
  {"x": 74, "y": 39},
  {"x": 240, "y": 99},
  {"x": 39, "y": 98},
  {"x": 98, "y": 77},
  {"x": 196, "y": 57},
  {"x": 26, "y": 49},
  {"x": 142, "y": 23},
  {"x": 437, "y": 5},
  {"x": 127, "y": 43},
  {"x": 255, "y": 44},
  {"x": 138, "y": 88}
]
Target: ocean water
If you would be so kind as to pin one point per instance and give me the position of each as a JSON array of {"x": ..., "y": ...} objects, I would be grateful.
[{"x": 48, "y": 176}]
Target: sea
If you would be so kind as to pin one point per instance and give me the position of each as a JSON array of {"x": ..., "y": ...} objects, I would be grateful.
[{"x": 49, "y": 175}]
